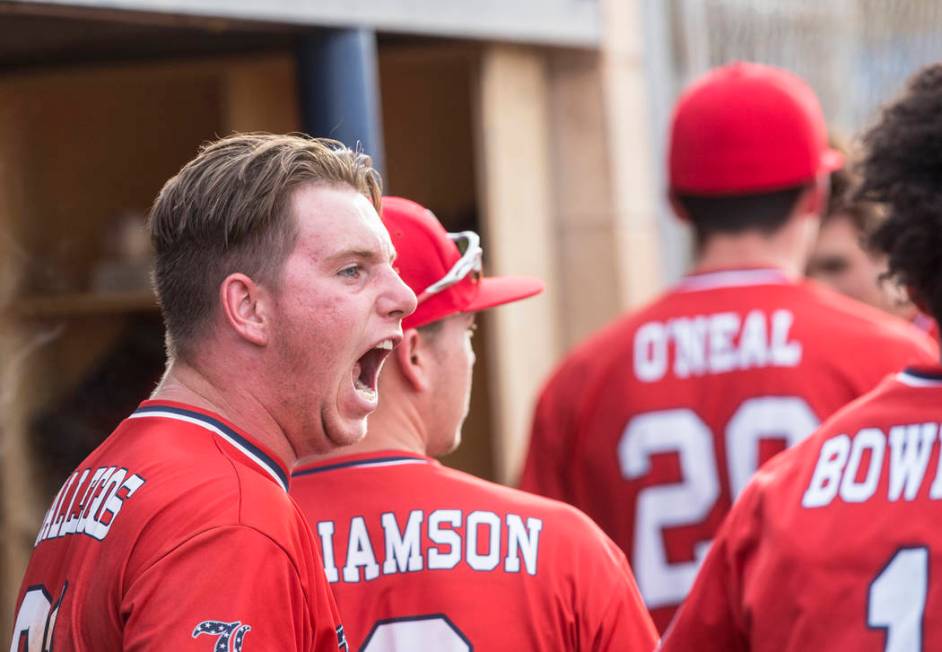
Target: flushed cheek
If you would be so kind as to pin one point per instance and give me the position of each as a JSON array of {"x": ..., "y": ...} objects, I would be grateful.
[{"x": 312, "y": 347}]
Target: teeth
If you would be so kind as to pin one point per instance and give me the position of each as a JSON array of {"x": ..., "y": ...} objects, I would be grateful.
[
  {"x": 386, "y": 345},
  {"x": 363, "y": 389}
]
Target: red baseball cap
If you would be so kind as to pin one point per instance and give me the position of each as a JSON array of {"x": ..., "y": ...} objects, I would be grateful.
[
  {"x": 748, "y": 128},
  {"x": 445, "y": 277}
]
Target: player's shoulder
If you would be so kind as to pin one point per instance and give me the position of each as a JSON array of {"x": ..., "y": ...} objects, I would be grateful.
[
  {"x": 203, "y": 468},
  {"x": 845, "y": 316},
  {"x": 560, "y": 520}
]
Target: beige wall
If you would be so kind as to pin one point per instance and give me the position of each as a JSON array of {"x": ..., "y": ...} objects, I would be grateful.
[
  {"x": 565, "y": 162},
  {"x": 513, "y": 156}
]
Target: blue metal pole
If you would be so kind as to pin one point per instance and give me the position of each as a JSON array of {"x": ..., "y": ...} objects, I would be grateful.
[{"x": 338, "y": 82}]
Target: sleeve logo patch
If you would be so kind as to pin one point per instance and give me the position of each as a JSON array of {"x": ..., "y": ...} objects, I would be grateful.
[{"x": 233, "y": 633}]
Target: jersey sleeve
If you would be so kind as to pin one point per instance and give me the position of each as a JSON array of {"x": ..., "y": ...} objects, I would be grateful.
[
  {"x": 222, "y": 589},
  {"x": 623, "y": 623},
  {"x": 712, "y": 616}
]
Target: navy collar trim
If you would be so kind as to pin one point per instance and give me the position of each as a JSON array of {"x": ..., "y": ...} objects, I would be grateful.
[
  {"x": 925, "y": 374},
  {"x": 920, "y": 378},
  {"x": 217, "y": 427},
  {"x": 372, "y": 462}
]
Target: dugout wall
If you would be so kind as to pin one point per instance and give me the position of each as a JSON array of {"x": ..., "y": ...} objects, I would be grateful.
[{"x": 542, "y": 144}]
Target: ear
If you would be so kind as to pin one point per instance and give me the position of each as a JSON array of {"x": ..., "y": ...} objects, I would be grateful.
[
  {"x": 414, "y": 358},
  {"x": 814, "y": 199},
  {"x": 678, "y": 207},
  {"x": 245, "y": 306}
]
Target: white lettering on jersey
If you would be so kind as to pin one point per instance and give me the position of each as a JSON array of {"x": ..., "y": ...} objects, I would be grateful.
[
  {"x": 852, "y": 468},
  {"x": 95, "y": 513},
  {"x": 935, "y": 492},
  {"x": 690, "y": 347},
  {"x": 437, "y": 560},
  {"x": 650, "y": 352},
  {"x": 826, "y": 479},
  {"x": 403, "y": 551},
  {"x": 325, "y": 530},
  {"x": 723, "y": 328},
  {"x": 868, "y": 440},
  {"x": 909, "y": 455},
  {"x": 71, "y": 523},
  {"x": 785, "y": 353},
  {"x": 477, "y": 521},
  {"x": 520, "y": 540},
  {"x": 360, "y": 553},
  {"x": 715, "y": 344},
  {"x": 113, "y": 503},
  {"x": 479, "y": 543}
]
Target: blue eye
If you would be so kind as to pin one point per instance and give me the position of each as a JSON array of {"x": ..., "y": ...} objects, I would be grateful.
[{"x": 351, "y": 272}]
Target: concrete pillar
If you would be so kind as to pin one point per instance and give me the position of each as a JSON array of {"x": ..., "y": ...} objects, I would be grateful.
[
  {"x": 590, "y": 284},
  {"x": 605, "y": 186},
  {"x": 629, "y": 125},
  {"x": 568, "y": 193},
  {"x": 513, "y": 157}
]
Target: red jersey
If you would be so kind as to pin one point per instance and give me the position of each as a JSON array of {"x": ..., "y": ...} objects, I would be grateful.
[
  {"x": 655, "y": 424},
  {"x": 176, "y": 533},
  {"x": 423, "y": 557},
  {"x": 835, "y": 544}
]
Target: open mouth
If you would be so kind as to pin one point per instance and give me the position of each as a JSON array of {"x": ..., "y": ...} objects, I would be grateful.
[{"x": 366, "y": 369}]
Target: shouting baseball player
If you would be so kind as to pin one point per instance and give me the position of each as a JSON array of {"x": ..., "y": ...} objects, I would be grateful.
[
  {"x": 275, "y": 279},
  {"x": 422, "y": 557},
  {"x": 834, "y": 545},
  {"x": 656, "y": 424}
]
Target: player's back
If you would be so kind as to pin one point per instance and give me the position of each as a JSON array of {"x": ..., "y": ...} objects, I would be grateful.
[
  {"x": 654, "y": 425},
  {"x": 420, "y": 556},
  {"x": 835, "y": 545},
  {"x": 132, "y": 553}
]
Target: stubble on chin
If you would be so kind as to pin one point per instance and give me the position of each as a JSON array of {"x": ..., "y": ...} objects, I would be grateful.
[{"x": 339, "y": 437}]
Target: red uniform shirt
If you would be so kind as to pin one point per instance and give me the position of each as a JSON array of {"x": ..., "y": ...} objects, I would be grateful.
[
  {"x": 657, "y": 422},
  {"x": 835, "y": 545},
  {"x": 176, "y": 533},
  {"x": 422, "y": 557}
]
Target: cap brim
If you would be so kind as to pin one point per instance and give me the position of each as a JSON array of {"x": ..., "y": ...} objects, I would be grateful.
[
  {"x": 831, "y": 160},
  {"x": 498, "y": 290}
]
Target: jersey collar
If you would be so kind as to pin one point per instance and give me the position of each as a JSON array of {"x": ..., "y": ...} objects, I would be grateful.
[
  {"x": 371, "y": 460},
  {"x": 921, "y": 377},
  {"x": 739, "y": 277},
  {"x": 258, "y": 454}
]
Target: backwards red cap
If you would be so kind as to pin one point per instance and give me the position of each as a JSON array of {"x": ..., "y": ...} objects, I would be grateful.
[
  {"x": 425, "y": 254},
  {"x": 748, "y": 128}
]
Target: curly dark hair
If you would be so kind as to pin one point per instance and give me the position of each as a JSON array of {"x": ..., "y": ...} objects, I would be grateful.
[
  {"x": 865, "y": 217},
  {"x": 902, "y": 169}
]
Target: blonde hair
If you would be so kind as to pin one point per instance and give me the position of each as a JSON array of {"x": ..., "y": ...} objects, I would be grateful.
[{"x": 227, "y": 211}]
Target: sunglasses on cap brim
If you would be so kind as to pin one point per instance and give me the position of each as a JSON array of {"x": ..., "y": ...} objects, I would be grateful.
[{"x": 469, "y": 244}]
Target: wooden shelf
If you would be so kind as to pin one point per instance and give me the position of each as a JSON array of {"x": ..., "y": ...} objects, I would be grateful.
[{"x": 86, "y": 304}]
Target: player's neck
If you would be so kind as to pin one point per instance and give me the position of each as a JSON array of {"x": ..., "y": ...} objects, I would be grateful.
[
  {"x": 183, "y": 383},
  {"x": 749, "y": 251},
  {"x": 396, "y": 425}
]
